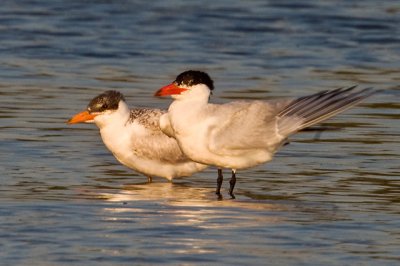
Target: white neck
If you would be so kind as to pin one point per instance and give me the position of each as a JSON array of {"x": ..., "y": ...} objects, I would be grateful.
[
  {"x": 188, "y": 107},
  {"x": 114, "y": 131}
]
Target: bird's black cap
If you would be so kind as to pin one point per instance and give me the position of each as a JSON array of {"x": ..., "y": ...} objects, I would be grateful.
[
  {"x": 108, "y": 100},
  {"x": 194, "y": 77}
]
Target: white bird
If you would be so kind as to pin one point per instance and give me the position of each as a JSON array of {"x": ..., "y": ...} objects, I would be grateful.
[
  {"x": 242, "y": 134},
  {"x": 135, "y": 138}
]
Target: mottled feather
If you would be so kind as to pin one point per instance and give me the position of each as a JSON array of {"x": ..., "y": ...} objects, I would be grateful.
[{"x": 153, "y": 143}]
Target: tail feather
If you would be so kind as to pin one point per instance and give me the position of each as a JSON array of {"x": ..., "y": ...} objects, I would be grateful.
[{"x": 309, "y": 110}]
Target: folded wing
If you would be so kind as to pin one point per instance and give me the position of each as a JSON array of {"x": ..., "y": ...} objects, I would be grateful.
[{"x": 310, "y": 110}]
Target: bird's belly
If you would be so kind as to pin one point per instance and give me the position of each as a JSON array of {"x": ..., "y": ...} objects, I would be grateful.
[
  {"x": 156, "y": 166},
  {"x": 198, "y": 151}
]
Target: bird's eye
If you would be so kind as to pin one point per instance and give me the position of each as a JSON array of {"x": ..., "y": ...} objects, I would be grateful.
[{"x": 104, "y": 106}]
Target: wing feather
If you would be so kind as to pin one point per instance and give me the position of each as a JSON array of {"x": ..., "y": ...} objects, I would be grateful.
[
  {"x": 244, "y": 126},
  {"x": 150, "y": 142},
  {"x": 309, "y": 110}
]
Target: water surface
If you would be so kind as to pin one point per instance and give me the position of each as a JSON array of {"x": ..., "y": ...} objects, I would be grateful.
[{"x": 328, "y": 198}]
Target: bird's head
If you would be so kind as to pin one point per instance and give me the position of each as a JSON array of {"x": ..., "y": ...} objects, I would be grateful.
[
  {"x": 100, "y": 106},
  {"x": 187, "y": 84}
]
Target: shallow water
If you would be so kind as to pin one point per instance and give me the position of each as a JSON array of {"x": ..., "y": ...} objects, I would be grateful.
[{"x": 329, "y": 197}]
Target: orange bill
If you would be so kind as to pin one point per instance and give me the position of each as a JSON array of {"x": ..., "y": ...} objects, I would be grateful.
[
  {"x": 170, "y": 89},
  {"x": 81, "y": 118}
]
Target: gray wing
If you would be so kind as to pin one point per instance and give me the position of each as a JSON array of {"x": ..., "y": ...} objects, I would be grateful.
[
  {"x": 244, "y": 126},
  {"x": 265, "y": 125},
  {"x": 150, "y": 142},
  {"x": 310, "y": 110}
]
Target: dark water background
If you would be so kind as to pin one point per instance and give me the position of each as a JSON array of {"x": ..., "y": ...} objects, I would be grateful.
[{"x": 326, "y": 199}]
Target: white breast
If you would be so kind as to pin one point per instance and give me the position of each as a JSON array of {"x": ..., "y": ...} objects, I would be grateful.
[{"x": 145, "y": 148}]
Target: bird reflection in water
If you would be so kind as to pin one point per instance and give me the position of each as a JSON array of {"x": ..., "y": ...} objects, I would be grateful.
[{"x": 185, "y": 205}]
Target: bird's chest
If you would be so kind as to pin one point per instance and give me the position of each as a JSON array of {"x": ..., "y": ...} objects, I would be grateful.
[
  {"x": 185, "y": 122},
  {"x": 116, "y": 139},
  {"x": 192, "y": 131}
]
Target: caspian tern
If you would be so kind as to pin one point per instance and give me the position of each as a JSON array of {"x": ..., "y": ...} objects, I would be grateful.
[
  {"x": 135, "y": 138},
  {"x": 242, "y": 134}
]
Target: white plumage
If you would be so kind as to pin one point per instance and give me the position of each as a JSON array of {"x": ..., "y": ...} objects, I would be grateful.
[
  {"x": 242, "y": 134},
  {"x": 135, "y": 139}
]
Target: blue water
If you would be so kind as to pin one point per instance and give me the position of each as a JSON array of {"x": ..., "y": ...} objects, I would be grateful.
[{"x": 329, "y": 198}]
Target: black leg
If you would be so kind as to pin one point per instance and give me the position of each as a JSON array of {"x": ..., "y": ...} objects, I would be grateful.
[
  {"x": 232, "y": 183},
  {"x": 219, "y": 182}
]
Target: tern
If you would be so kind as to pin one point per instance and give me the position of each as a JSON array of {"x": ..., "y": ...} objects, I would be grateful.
[
  {"x": 242, "y": 134},
  {"x": 135, "y": 139}
]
